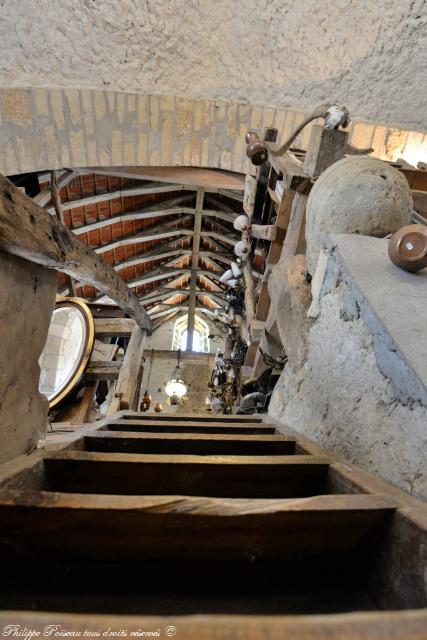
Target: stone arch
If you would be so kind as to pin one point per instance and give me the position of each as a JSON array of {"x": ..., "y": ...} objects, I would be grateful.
[{"x": 48, "y": 128}]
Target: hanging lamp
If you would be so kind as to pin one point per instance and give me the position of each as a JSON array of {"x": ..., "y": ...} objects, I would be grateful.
[
  {"x": 146, "y": 400},
  {"x": 176, "y": 387}
]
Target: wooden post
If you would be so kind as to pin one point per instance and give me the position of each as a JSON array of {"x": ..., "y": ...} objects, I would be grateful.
[
  {"x": 194, "y": 264},
  {"x": 28, "y": 231},
  {"x": 249, "y": 292},
  {"x": 126, "y": 387}
]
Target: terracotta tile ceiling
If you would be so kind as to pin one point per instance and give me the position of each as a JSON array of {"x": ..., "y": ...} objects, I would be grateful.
[{"x": 151, "y": 252}]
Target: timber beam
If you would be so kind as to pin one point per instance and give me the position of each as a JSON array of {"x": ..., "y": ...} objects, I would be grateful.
[{"x": 30, "y": 232}]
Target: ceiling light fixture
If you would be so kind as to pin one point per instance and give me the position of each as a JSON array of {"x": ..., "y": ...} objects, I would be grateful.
[{"x": 176, "y": 387}]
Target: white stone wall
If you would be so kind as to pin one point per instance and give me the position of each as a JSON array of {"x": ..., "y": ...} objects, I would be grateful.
[
  {"x": 162, "y": 369},
  {"x": 368, "y": 54}
]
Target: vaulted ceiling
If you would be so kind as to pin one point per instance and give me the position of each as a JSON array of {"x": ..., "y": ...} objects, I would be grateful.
[{"x": 168, "y": 231}]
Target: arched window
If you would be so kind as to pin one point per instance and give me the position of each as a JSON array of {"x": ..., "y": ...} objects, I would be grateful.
[{"x": 200, "y": 335}]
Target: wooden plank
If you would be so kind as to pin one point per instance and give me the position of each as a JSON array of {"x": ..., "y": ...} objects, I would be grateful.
[
  {"x": 128, "y": 529},
  {"x": 390, "y": 625},
  {"x": 263, "y": 305},
  {"x": 28, "y": 231},
  {"x": 43, "y": 198},
  {"x": 266, "y": 232},
  {"x": 282, "y": 222},
  {"x": 325, "y": 147},
  {"x": 194, "y": 417},
  {"x": 114, "y": 327},
  {"x": 190, "y": 444},
  {"x": 295, "y": 240},
  {"x": 126, "y": 386},
  {"x": 103, "y": 370},
  {"x": 209, "y": 179},
  {"x": 194, "y": 266},
  {"x": 225, "y": 476},
  {"x": 81, "y": 415},
  {"x": 188, "y": 427},
  {"x": 420, "y": 202}
]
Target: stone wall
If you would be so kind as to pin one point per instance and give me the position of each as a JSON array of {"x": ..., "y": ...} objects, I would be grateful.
[
  {"x": 356, "y": 379},
  {"x": 52, "y": 128},
  {"x": 27, "y": 294},
  {"x": 368, "y": 55}
]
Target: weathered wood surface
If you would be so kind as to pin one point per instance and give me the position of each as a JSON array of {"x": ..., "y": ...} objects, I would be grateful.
[
  {"x": 192, "y": 417},
  {"x": 103, "y": 370},
  {"x": 112, "y": 327},
  {"x": 28, "y": 231},
  {"x": 225, "y": 476},
  {"x": 282, "y": 222},
  {"x": 325, "y": 147},
  {"x": 163, "y": 426},
  {"x": 390, "y": 625},
  {"x": 295, "y": 239},
  {"x": 126, "y": 387},
  {"x": 171, "y": 527},
  {"x": 263, "y": 304},
  {"x": 210, "y": 179},
  {"x": 267, "y": 232},
  {"x": 192, "y": 444}
]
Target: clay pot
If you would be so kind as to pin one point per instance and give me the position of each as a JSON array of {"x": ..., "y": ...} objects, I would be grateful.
[
  {"x": 407, "y": 247},
  {"x": 158, "y": 407}
]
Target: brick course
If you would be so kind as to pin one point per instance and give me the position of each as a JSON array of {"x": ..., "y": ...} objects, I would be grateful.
[{"x": 53, "y": 128}]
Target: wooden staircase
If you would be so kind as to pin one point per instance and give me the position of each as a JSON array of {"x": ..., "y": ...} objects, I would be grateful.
[{"x": 218, "y": 526}]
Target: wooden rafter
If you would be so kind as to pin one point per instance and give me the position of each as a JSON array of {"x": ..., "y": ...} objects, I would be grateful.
[
  {"x": 198, "y": 217},
  {"x": 152, "y": 188},
  {"x": 30, "y": 232},
  {"x": 209, "y": 179}
]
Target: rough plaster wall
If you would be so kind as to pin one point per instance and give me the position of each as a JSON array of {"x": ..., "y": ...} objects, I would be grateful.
[
  {"x": 340, "y": 398},
  {"x": 368, "y": 55},
  {"x": 27, "y": 294}
]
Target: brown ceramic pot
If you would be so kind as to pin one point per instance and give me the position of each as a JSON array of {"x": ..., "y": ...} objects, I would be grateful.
[{"x": 407, "y": 247}]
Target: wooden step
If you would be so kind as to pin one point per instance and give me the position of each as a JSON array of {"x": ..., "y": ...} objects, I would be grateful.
[
  {"x": 191, "y": 417},
  {"x": 372, "y": 625},
  {"x": 170, "y": 426},
  {"x": 131, "y": 529},
  {"x": 224, "y": 476},
  {"x": 193, "y": 444}
]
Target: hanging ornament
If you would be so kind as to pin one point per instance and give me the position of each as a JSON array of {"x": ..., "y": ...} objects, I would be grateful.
[
  {"x": 176, "y": 387},
  {"x": 146, "y": 400}
]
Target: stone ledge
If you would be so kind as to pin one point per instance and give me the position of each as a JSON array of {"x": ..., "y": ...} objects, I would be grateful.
[{"x": 393, "y": 306}]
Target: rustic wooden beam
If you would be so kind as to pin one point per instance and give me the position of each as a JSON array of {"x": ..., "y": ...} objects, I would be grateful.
[
  {"x": 103, "y": 370},
  {"x": 295, "y": 239},
  {"x": 153, "y": 188},
  {"x": 209, "y": 179},
  {"x": 130, "y": 217},
  {"x": 161, "y": 231},
  {"x": 114, "y": 327},
  {"x": 325, "y": 147},
  {"x": 194, "y": 265},
  {"x": 220, "y": 236},
  {"x": 44, "y": 197},
  {"x": 28, "y": 231},
  {"x": 264, "y": 231},
  {"x": 126, "y": 387}
]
